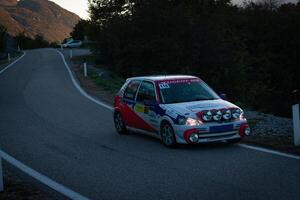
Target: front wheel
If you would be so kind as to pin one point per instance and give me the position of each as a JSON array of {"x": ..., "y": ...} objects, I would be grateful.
[
  {"x": 167, "y": 135},
  {"x": 119, "y": 123}
]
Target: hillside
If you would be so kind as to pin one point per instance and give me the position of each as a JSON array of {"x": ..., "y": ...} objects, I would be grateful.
[{"x": 37, "y": 17}]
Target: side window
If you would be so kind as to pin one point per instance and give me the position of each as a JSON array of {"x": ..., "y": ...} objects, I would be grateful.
[
  {"x": 131, "y": 89},
  {"x": 146, "y": 92}
]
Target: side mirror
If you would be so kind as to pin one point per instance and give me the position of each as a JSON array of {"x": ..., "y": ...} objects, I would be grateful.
[{"x": 223, "y": 96}]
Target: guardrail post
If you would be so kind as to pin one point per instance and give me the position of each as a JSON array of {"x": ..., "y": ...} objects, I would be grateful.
[
  {"x": 8, "y": 57},
  {"x": 296, "y": 117},
  {"x": 71, "y": 53},
  {"x": 85, "y": 68},
  {"x": 1, "y": 174}
]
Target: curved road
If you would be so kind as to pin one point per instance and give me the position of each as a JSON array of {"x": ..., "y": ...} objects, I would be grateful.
[{"x": 48, "y": 125}]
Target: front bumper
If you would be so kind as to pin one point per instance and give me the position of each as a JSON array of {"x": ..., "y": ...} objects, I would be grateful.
[{"x": 211, "y": 132}]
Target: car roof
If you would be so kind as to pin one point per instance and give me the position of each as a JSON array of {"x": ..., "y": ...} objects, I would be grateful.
[{"x": 162, "y": 77}]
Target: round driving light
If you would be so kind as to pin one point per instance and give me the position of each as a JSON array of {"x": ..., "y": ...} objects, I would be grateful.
[
  {"x": 247, "y": 131},
  {"x": 227, "y": 114},
  {"x": 236, "y": 113},
  {"x": 206, "y": 116},
  {"x": 217, "y": 115},
  {"x": 194, "y": 137}
]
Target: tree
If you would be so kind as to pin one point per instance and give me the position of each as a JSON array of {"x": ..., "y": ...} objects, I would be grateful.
[
  {"x": 242, "y": 51},
  {"x": 26, "y": 42},
  {"x": 3, "y": 32},
  {"x": 80, "y": 30}
]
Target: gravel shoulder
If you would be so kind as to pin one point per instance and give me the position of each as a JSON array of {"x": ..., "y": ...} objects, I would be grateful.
[
  {"x": 271, "y": 132},
  {"x": 267, "y": 130},
  {"x": 19, "y": 187},
  {"x": 4, "y": 63}
]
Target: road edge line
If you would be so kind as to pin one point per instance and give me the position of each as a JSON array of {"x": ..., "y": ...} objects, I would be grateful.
[
  {"x": 270, "y": 151},
  {"x": 42, "y": 178},
  {"x": 31, "y": 172},
  {"x": 79, "y": 88},
  {"x": 11, "y": 64}
]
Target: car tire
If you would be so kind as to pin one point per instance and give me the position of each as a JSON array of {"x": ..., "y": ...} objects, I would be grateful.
[
  {"x": 167, "y": 135},
  {"x": 119, "y": 123},
  {"x": 234, "y": 141}
]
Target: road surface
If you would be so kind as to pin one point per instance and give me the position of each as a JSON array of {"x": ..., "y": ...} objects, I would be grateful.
[{"x": 48, "y": 125}]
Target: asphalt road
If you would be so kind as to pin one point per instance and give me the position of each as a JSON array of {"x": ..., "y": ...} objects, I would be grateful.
[{"x": 48, "y": 125}]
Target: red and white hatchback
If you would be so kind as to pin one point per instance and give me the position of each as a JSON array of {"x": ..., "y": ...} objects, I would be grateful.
[{"x": 177, "y": 109}]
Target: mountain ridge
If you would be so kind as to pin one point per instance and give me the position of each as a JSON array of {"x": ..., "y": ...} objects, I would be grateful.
[{"x": 37, "y": 17}]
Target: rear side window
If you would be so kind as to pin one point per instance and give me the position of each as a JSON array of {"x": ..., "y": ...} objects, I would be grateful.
[
  {"x": 131, "y": 89},
  {"x": 146, "y": 92}
]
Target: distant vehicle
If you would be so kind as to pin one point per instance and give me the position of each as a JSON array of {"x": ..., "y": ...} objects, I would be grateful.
[
  {"x": 72, "y": 44},
  {"x": 177, "y": 109}
]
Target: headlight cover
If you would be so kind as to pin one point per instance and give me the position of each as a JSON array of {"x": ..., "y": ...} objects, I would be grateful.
[
  {"x": 226, "y": 114},
  {"x": 236, "y": 113},
  {"x": 217, "y": 115},
  {"x": 207, "y": 115}
]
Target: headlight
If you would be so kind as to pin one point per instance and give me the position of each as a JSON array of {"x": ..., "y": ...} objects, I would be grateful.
[
  {"x": 217, "y": 115},
  {"x": 236, "y": 113},
  {"x": 227, "y": 114},
  {"x": 194, "y": 137},
  {"x": 192, "y": 122},
  {"x": 206, "y": 115},
  {"x": 189, "y": 121}
]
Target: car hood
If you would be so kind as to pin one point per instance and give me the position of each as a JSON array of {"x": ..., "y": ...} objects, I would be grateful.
[{"x": 194, "y": 107}]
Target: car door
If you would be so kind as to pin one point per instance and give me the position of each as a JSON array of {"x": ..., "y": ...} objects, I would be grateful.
[
  {"x": 128, "y": 102},
  {"x": 145, "y": 106}
]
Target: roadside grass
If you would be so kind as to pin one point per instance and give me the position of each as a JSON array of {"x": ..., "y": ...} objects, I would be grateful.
[
  {"x": 80, "y": 59},
  {"x": 109, "y": 81}
]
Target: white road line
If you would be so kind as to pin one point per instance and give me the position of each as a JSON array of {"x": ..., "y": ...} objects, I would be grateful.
[
  {"x": 79, "y": 87},
  {"x": 36, "y": 175},
  {"x": 111, "y": 108},
  {"x": 278, "y": 153},
  {"x": 43, "y": 179},
  {"x": 11, "y": 64}
]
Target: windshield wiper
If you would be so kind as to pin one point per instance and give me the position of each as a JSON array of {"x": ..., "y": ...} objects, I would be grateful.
[{"x": 175, "y": 101}]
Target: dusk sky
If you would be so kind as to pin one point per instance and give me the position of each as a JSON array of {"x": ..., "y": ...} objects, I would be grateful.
[{"x": 80, "y": 7}]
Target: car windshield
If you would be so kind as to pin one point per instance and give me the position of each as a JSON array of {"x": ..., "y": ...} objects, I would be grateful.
[{"x": 185, "y": 90}]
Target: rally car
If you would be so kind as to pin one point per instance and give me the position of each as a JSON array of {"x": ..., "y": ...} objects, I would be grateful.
[{"x": 177, "y": 109}]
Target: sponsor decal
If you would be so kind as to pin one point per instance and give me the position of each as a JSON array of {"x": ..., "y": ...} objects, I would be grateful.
[
  {"x": 206, "y": 105},
  {"x": 139, "y": 108},
  {"x": 180, "y": 81},
  {"x": 164, "y": 86}
]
